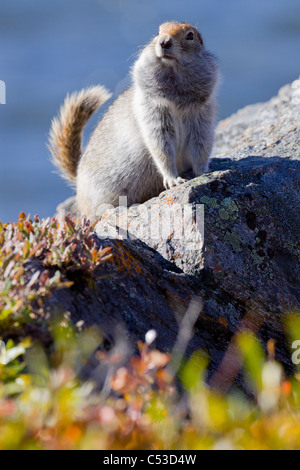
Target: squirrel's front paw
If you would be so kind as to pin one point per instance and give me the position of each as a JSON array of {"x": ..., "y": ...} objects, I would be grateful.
[{"x": 172, "y": 182}]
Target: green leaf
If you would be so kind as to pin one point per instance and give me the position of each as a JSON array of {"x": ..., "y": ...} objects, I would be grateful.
[
  {"x": 254, "y": 359},
  {"x": 193, "y": 373}
]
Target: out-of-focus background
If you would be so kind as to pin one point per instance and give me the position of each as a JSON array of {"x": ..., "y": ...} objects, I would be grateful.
[{"x": 52, "y": 47}]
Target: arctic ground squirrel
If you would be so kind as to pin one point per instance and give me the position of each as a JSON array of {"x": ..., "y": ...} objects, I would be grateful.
[{"x": 162, "y": 126}]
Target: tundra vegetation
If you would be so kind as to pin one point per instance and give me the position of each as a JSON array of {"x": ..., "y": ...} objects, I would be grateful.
[{"x": 47, "y": 403}]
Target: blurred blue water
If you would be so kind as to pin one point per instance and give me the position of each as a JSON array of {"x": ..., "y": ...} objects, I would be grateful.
[{"x": 51, "y": 47}]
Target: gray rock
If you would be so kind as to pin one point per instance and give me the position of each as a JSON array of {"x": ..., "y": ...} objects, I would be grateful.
[
  {"x": 135, "y": 292},
  {"x": 247, "y": 268},
  {"x": 264, "y": 130}
]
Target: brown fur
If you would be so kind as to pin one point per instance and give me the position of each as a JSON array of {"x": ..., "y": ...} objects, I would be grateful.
[
  {"x": 66, "y": 129},
  {"x": 175, "y": 29}
]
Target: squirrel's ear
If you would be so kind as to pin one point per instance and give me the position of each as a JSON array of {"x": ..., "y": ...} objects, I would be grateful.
[{"x": 200, "y": 39}]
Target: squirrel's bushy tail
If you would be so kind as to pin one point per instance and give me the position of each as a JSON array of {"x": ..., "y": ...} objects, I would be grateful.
[{"x": 66, "y": 129}]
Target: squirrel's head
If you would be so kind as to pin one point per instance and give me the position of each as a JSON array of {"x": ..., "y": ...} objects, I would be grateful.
[
  {"x": 177, "y": 42},
  {"x": 176, "y": 65}
]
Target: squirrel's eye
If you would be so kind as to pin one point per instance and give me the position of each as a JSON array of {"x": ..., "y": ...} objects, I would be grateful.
[{"x": 189, "y": 36}]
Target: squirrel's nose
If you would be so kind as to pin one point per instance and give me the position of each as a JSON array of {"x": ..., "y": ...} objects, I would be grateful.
[{"x": 165, "y": 42}]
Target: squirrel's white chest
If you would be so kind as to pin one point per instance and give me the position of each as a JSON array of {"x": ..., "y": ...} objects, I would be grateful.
[
  {"x": 150, "y": 117},
  {"x": 180, "y": 137}
]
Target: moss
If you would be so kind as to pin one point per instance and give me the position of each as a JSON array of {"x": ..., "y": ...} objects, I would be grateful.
[
  {"x": 292, "y": 248},
  {"x": 228, "y": 210},
  {"x": 256, "y": 258},
  {"x": 234, "y": 240},
  {"x": 210, "y": 201}
]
